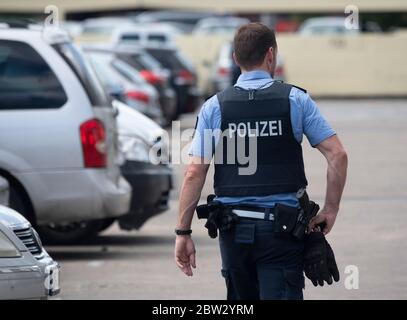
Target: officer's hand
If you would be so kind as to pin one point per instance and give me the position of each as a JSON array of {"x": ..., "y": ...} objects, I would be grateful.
[
  {"x": 326, "y": 218},
  {"x": 185, "y": 254}
]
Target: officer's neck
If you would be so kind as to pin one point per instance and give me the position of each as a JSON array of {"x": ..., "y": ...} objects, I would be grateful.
[{"x": 258, "y": 68}]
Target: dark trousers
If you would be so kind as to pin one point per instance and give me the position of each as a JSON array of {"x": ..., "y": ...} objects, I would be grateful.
[{"x": 258, "y": 263}]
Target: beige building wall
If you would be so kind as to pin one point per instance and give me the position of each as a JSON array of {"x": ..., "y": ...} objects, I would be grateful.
[
  {"x": 252, "y": 6},
  {"x": 361, "y": 65}
]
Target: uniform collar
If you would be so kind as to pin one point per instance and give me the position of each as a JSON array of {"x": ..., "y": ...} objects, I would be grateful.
[{"x": 253, "y": 75}]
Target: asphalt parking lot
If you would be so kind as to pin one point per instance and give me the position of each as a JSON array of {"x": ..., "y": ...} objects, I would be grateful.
[{"x": 370, "y": 233}]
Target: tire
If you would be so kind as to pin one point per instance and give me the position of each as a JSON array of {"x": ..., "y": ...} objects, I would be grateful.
[
  {"x": 16, "y": 201},
  {"x": 70, "y": 233},
  {"x": 19, "y": 201}
]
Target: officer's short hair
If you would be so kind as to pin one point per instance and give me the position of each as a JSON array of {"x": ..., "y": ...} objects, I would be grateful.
[{"x": 251, "y": 44}]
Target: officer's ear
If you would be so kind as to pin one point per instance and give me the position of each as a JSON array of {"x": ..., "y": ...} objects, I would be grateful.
[
  {"x": 234, "y": 59},
  {"x": 270, "y": 57},
  {"x": 272, "y": 53}
]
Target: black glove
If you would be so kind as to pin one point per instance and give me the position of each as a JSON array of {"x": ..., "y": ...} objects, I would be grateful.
[{"x": 319, "y": 260}]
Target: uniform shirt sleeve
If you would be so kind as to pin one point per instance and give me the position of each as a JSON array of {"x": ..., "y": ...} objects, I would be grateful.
[
  {"x": 309, "y": 120},
  {"x": 208, "y": 120}
]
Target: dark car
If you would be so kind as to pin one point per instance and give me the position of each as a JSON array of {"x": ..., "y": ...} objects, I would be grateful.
[
  {"x": 155, "y": 74},
  {"x": 183, "y": 77},
  {"x": 125, "y": 83}
]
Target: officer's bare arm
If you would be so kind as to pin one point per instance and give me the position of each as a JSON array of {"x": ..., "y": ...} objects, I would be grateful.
[
  {"x": 336, "y": 156},
  {"x": 192, "y": 185}
]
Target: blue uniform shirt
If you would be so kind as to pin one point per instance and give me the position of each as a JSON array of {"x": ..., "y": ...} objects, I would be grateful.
[{"x": 305, "y": 118}]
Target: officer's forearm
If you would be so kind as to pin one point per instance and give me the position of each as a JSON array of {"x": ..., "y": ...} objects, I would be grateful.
[
  {"x": 192, "y": 185},
  {"x": 336, "y": 178}
]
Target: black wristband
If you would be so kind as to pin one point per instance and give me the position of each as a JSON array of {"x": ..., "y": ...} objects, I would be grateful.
[{"x": 180, "y": 232}]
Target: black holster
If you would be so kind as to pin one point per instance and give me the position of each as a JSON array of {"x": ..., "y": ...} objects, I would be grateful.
[{"x": 218, "y": 216}]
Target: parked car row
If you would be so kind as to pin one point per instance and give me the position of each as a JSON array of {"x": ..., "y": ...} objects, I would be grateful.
[
  {"x": 149, "y": 48},
  {"x": 72, "y": 168}
]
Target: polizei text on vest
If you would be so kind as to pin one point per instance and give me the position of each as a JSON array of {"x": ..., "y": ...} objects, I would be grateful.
[{"x": 266, "y": 128}]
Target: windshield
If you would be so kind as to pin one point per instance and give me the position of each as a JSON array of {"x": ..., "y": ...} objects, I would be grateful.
[
  {"x": 149, "y": 62},
  {"x": 101, "y": 63},
  {"x": 128, "y": 72},
  {"x": 141, "y": 61},
  {"x": 85, "y": 73}
]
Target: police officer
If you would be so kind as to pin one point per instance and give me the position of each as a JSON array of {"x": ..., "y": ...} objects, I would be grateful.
[{"x": 258, "y": 262}]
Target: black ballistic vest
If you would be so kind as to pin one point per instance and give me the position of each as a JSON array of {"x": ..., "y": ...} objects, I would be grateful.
[{"x": 264, "y": 114}]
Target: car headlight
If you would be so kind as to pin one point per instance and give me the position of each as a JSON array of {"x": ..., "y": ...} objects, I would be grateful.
[
  {"x": 7, "y": 248},
  {"x": 37, "y": 238},
  {"x": 134, "y": 148}
]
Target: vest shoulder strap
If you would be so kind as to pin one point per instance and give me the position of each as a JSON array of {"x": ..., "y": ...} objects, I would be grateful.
[{"x": 302, "y": 89}]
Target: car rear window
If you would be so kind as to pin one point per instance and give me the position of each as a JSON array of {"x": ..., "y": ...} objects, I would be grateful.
[
  {"x": 158, "y": 38},
  {"x": 103, "y": 69},
  {"x": 168, "y": 58},
  {"x": 130, "y": 37},
  {"x": 127, "y": 71},
  {"x": 85, "y": 73},
  {"x": 132, "y": 60},
  {"x": 26, "y": 80},
  {"x": 149, "y": 62}
]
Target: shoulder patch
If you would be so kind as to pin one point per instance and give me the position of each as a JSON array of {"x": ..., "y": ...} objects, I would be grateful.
[{"x": 302, "y": 89}]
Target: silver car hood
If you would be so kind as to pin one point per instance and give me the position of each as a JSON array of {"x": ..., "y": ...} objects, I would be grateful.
[
  {"x": 133, "y": 123},
  {"x": 12, "y": 219}
]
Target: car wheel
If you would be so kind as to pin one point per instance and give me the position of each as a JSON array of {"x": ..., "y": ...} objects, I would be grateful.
[
  {"x": 20, "y": 203},
  {"x": 69, "y": 233}
]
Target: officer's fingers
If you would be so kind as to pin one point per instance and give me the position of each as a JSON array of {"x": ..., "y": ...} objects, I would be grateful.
[
  {"x": 319, "y": 218},
  {"x": 185, "y": 267},
  {"x": 187, "y": 270},
  {"x": 181, "y": 263},
  {"x": 192, "y": 260}
]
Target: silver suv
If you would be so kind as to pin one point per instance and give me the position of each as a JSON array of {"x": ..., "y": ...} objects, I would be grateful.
[{"x": 58, "y": 142}]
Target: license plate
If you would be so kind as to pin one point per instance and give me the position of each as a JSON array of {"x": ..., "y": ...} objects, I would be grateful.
[{"x": 52, "y": 280}]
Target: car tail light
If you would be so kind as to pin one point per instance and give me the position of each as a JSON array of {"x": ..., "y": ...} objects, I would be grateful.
[
  {"x": 186, "y": 76},
  {"x": 93, "y": 138},
  {"x": 151, "y": 77},
  {"x": 138, "y": 95},
  {"x": 223, "y": 71}
]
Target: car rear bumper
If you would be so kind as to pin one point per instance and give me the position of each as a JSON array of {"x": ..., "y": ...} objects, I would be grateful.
[
  {"x": 151, "y": 185},
  {"x": 72, "y": 195}
]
